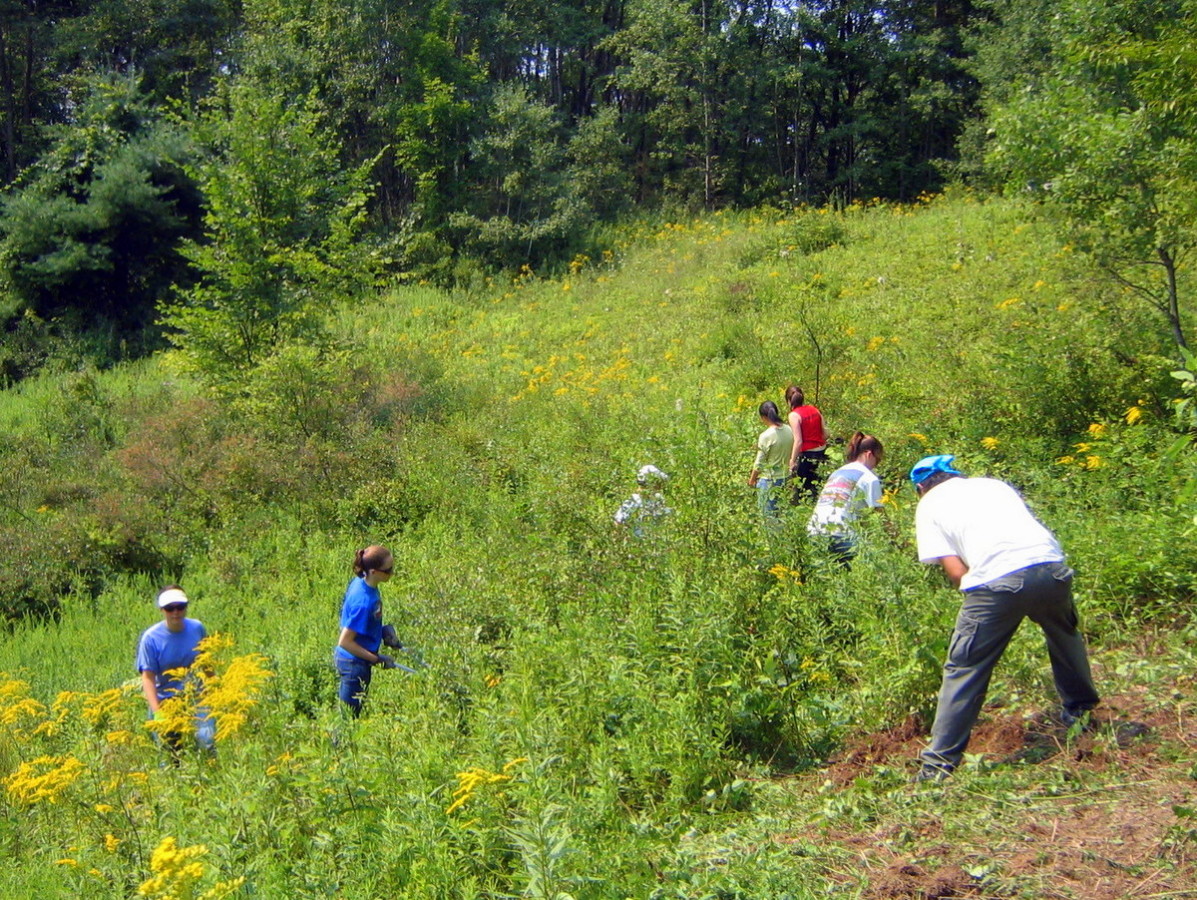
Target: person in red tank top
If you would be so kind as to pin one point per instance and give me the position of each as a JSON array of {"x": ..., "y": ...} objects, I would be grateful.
[{"x": 810, "y": 445}]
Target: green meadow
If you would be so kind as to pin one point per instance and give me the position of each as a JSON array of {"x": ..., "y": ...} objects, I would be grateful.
[{"x": 592, "y": 715}]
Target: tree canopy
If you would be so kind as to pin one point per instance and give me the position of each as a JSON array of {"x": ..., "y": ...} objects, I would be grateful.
[{"x": 502, "y": 132}]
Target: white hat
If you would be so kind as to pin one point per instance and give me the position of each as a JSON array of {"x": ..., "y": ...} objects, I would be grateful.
[
  {"x": 172, "y": 595},
  {"x": 647, "y": 472}
]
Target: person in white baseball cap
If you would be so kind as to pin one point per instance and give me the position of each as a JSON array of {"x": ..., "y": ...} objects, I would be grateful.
[{"x": 163, "y": 650}]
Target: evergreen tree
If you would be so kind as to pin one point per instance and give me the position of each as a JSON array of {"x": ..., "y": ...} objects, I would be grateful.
[{"x": 91, "y": 236}]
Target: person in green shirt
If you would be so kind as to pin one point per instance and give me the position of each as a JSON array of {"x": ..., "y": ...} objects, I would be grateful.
[{"x": 774, "y": 448}]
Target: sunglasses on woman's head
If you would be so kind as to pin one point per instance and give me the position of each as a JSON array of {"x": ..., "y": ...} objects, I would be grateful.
[
  {"x": 174, "y": 607},
  {"x": 387, "y": 571}
]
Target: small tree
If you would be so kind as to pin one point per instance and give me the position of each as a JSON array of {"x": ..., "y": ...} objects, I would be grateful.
[
  {"x": 282, "y": 223},
  {"x": 527, "y": 207},
  {"x": 1110, "y": 146}
]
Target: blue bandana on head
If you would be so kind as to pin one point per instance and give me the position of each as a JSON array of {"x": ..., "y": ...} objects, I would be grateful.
[{"x": 929, "y": 465}]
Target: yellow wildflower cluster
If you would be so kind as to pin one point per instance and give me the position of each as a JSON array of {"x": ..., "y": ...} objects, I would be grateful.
[
  {"x": 177, "y": 872},
  {"x": 284, "y": 764},
  {"x": 990, "y": 443},
  {"x": 230, "y": 696},
  {"x": 814, "y": 674},
  {"x": 474, "y": 778},
  {"x": 573, "y": 374},
  {"x": 18, "y": 710},
  {"x": 784, "y": 573},
  {"x": 43, "y": 780},
  {"x": 1134, "y": 414},
  {"x": 225, "y": 691},
  {"x": 61, "y": 711},
  {"x": 100, "y": 709},
  {"x": 176, "y": 715},
  {"x": 1084, "y": 457}
]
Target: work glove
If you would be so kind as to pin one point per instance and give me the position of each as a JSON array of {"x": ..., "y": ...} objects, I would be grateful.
[
  {"x": 390, "y": 638},
  {"x": 385, "y": 661}
]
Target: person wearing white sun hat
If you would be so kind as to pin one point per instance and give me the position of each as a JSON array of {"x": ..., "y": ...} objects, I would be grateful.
[{"x": 640, "y": 511}]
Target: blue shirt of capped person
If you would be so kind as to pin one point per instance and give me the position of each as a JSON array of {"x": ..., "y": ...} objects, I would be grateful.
[
  {"x": 168, "y": 646},
  {"x": 164, "y": 653}
]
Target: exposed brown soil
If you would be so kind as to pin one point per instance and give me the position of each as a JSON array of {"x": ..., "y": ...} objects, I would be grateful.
[{"x": 1097, "y": 828}]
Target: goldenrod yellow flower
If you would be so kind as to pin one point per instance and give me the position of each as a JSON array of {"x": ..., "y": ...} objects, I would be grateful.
[
  {"x": 177, "y": 870},
  {"x": 44, "y": 779},
  {"x": 1133, "y": 415},
  {"x": 990, "y": 443},
  {"x": 99, "y": 709},
  {"x": 785, "y": 573},
  {"x": 469, "y": 781}
]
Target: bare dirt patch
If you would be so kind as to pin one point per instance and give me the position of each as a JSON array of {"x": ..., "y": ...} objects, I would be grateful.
[
  {"x": 1099, "y": 825},
  {"x": 905, "y": 880}
]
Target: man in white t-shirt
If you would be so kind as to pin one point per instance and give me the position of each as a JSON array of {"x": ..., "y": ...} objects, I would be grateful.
[{"x": 1009, "y": 567}]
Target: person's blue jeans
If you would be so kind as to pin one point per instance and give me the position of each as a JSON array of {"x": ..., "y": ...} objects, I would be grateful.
[
  {"x": 355, "y": 679},
  {"x": 842, "y": 549},
  {"x": 768, "y": 491}
]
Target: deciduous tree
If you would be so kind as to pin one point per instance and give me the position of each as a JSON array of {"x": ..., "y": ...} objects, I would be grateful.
[
  {"x": 282, "y": 223},
  {"x": 1109, "y": 147}
]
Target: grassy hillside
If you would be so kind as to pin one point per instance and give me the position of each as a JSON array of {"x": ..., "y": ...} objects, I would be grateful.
[{"x": 716, "y": 712}]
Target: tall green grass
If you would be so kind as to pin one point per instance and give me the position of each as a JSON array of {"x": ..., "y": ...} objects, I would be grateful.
[{"x": 610, "y": 709}]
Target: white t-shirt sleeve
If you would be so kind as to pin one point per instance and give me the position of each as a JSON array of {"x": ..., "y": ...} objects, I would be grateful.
[
  {"x": 933, "y": 544},
  {"x": 872, "y": 490}
]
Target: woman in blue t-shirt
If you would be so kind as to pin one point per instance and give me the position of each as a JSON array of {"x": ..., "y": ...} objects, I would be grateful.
[{"x": 361, "y": 625}]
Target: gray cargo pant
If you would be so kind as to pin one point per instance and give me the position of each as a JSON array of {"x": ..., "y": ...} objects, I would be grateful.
[{"x": 988, "y": 618}]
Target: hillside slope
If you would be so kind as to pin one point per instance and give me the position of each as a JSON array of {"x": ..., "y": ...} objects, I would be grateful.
[{"x": 716, "y": 712}]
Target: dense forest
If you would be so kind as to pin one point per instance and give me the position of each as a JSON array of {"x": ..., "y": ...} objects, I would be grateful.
[{"x": 169, "y": 158}]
